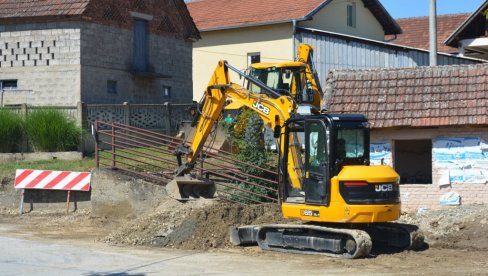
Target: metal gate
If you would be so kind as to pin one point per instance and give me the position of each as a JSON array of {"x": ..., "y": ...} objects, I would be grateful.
[{"x": 149, "y": 155}]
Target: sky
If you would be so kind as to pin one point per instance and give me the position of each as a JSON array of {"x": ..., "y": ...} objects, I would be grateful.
[{"x": 413, "y": 8}]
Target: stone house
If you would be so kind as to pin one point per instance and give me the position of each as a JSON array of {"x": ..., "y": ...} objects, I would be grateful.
[
  {"x": 95, "y": 51},
  {"x": 248, "y": 31},
  {"x": 429, "y": 123}
]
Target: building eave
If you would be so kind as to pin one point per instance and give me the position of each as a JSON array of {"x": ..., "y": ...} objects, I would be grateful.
[
  {"x": 450, "y": 40},
  {"x": 249, "y": 25}
]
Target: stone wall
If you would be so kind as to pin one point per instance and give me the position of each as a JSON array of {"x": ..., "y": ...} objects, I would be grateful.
[
  {"x": 415, "y": 196},
  {"x": 44, "y": 58},
  {"x": 107, "y": 56}
]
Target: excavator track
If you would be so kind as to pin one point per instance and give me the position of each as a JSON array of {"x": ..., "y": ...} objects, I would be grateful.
[
  {"x": 396, "y": 235},
  {"x": 328, "y": 240},
  {"x": 305, "y": 239}
]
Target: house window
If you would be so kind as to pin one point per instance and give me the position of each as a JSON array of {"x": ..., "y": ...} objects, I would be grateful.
[
  {"x": 8, "y": 85},
  {"x": 166, "y": 92},
  {"x": 112, "y": 87},
  {"x": 141, "y": 50},
  {"x": 351, "y": 15},
  {"x": 253, "y": 58},
  {"x": 413, "y": 161}
]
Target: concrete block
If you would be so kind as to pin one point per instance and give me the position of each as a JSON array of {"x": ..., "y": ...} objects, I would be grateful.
[
  {"x": 22, "y": 57},
  {"x": 29, "y": 63}
]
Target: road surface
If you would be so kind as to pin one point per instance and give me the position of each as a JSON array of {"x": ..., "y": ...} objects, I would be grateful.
[{"x": 28, "y": 257}]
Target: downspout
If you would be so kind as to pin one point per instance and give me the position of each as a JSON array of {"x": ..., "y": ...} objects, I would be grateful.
[{"x": 293, "y": 38}]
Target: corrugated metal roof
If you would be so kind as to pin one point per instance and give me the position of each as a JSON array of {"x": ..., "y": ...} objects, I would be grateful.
[{"x": 338, "y": 51}]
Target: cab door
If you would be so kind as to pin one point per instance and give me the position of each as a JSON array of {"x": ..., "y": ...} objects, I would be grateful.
[{"x": 316, "y": 178}]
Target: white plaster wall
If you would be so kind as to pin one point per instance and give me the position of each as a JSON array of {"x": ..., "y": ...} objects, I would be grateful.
[
  {"x": 274, "y": 42},
  {"x": 333, "y": 18}
]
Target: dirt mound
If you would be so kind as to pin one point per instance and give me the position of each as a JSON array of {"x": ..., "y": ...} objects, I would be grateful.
[
  {"x": 460, "y": 227},
  {"x": 211, "y": 226},
  {"x": 192, "y": 225},
  {"x": 205, "y": 224}
]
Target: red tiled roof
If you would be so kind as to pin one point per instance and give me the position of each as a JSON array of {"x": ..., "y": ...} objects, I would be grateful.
[
  {"x": 171, "y": 17},
  {"x": 210, "y": 14},
  {"x": 413, "y": 97},
  {"x": 223, "y": 14},
  {"x": 35, "y": 8},
  {"x": 416, "y": 31}
]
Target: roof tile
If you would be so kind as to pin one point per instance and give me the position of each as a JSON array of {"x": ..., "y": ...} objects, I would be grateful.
[
  {"x": 416, "y": 31},
  {"x": 440, "y": 100},
  {"x": 222, "y": 14},
  {"x": 34, "y": 8}
]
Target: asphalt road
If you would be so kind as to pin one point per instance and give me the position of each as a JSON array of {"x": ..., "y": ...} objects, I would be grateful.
[{"x": 28, "y": 257}]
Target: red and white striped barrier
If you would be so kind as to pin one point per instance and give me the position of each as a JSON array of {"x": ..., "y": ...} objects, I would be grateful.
[{"x": 52, "y": 180}]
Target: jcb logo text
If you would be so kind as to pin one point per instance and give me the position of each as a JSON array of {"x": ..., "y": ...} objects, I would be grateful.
[
  {"x": 261, "y": 107},
  {"x": 383, "y": 187}
]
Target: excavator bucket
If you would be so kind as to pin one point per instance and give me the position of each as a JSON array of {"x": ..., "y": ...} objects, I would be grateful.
[{"x": 189, "y": 188}]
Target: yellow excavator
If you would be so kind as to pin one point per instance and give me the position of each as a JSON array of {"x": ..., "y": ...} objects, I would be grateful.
[{"x": 343, "y": 204}]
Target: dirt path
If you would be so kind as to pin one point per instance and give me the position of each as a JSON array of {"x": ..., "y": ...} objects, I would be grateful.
[{"x": 458, "y": 237}]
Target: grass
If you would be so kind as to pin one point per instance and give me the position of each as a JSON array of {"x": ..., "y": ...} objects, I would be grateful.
[
  {"x": 10, "y": 130},
  {"x": 86, "y": 164},
  {"x": 50, "y": 130}
]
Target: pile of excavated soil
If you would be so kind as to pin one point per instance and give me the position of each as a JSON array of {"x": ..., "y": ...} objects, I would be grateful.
[
  {"x": 460, "y": 227},
  {"x": 192, "y": 225},
  {"x": 205, "y": 224}
]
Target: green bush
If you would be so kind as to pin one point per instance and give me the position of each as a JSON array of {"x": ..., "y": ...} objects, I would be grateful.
[
  {"x": 10, "y": 130},
  {"x": 252, "y": 151},
  {"x": 50, "y": 130}
]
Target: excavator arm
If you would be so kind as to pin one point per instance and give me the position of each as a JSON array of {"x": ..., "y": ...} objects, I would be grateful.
[
  {"x": 305, "y": 54},
  {"x": 273, "y": 108}
]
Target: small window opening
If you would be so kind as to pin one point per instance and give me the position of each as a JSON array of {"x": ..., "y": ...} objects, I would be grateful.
[
  {"x": 166, "y": 92},
  {"x": 413, "y": 161},
  {"x": 8, "y": 85},
  {"x": 112, "y": 87},
  {"x": 253, "y": 58},
  {"x": 351, "y": 15}
]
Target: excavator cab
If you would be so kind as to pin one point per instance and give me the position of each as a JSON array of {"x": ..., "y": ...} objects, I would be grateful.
[
  {"x": 322, "y": 146},
  {"x": 287, "y": 78}
]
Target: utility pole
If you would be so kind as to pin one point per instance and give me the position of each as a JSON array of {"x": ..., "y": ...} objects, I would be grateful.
[{"x": 433, "y": 33}]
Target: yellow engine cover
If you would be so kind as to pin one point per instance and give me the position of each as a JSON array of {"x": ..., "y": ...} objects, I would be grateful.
[{"x": 338, "y": 210}]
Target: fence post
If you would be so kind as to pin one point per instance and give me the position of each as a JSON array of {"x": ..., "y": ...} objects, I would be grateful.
[
  {"x": 79, "y": 114},
  {"x": 127, "y": 113},
  {"x": 97, "y": 146},
  {"x": 113, "y": 145},
  {"x": 79, "y": 122},
  {"x": 167, "y": 118}
]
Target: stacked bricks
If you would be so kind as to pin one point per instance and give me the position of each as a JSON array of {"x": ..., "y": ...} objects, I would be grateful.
[{"x": 28, "y": 45}]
